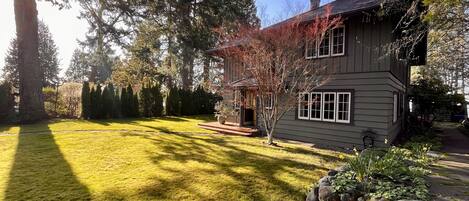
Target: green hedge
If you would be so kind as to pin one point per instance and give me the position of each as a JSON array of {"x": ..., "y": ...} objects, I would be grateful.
[
  {"x": 7, "y": 104},
  {"x": 180, "y": 102}
]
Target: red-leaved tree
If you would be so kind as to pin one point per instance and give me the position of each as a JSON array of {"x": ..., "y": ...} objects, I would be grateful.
[{"x": 275, "y": 59}]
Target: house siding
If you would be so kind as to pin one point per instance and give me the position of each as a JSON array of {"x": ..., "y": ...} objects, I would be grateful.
[
  {"x": 367, "y": 70},
  {"x": 372, "y": 108}
]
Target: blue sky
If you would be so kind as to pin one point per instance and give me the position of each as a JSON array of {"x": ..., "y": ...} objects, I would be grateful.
[{"x": 273, "y": 8}]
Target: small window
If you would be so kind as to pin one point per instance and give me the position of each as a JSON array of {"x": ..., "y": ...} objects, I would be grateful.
[
  {"x": 338, "y": 41},
  {"x": 395, "y": 107},
  {"x": 237, "y": 99},
  {"x": 303, "y": 109},
  {"x": 328, "y": 106},
  {"x": 269, "y": 101},
  {"x": 311, "y": 49},
  {"x": 343, "y": 107},
  {"x": 316, "y": 106},
  {"x": 324, "y": 46}
]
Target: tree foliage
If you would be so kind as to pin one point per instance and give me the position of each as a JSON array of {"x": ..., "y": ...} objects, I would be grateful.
[
  {"x": 7, "y": 103},
  {"x": 48, "y": 59},
  {"x": 79, "y": 68}
]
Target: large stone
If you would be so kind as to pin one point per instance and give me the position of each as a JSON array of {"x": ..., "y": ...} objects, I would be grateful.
[
  {"x": 313, "y": 194},
  {"x": 325, "y": 181},
  {"x": 326, "y": 193}
]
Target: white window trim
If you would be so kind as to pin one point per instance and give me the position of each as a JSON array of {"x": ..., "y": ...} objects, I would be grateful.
[
  {"x": 349, "y": 107},
  {"x": 323, "y": 108},
  {"x": 311, "y": 105},
  {"x": 332, "y": 42},
  {"x": 330, "y": 47},
  {"x": 299, "y": 106},
  {"x": 306, "y": 50}
]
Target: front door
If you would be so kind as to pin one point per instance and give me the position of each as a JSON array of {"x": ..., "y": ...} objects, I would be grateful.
[{"x": 249, "y": 108}]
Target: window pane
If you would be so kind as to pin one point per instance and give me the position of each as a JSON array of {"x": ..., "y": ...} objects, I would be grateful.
[
  {"x": 311, "y": 50},
  {"x": 343, "y": 107},
  {"x": 338, "y": 35},
  {"x": 303, "y": 107},
  {"x": 316, "y": 106},
  {"x": 329, "y": 107},
  {"x": 324, "y": 46}
]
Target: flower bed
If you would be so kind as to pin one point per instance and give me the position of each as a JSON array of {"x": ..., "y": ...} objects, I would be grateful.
[{"x": 378, "y": 174}]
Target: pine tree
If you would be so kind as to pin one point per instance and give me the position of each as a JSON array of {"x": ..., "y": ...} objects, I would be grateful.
[
  {"x": 146, "y": 100},
  {"x": 7, "y": 103},
  {"x": 93, "y": 106},
  {"x": 136, "y": 109},
  {"x": 48, "y": 56},
  {"x": 124, "y": 102},
  {"x": 157, "y": 106},
  {"x": 116, "y": 111},
  {"x": 85, "y": 101},
  {"x": 79, "y": 67},
  {"x": 98, "y": 102},
  {"x": 130, "y": 102}
]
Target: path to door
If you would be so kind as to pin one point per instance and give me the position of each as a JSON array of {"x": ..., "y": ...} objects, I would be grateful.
[{"x": 450, "y": 178}]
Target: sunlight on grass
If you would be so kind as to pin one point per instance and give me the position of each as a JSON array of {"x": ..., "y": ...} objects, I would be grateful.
[{"x": 137, "y": 165}]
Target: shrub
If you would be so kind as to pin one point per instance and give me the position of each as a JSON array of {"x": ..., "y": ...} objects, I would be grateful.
[
  {"x": 7, "y": 103},
  {"x": 85, "y": 101},
  {"x": 70, "y": 99},
  {"x": 51, "y": 98}
]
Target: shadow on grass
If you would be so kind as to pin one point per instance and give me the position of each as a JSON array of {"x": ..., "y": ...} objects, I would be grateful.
[
  {"x": 40, "y": 171},
  {"x": 252, "y": 173}
]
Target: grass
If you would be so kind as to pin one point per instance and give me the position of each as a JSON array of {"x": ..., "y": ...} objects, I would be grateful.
[{"x": 151, "y": 159}]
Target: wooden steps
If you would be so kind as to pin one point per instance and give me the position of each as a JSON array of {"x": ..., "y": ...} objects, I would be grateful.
[{"x": 229, "y": 129}]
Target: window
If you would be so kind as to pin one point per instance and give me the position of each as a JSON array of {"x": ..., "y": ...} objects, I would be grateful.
[
  {"x": 343, "y": 107},
  {"x": 323, "y": 48},
  {"x": 311, "y": 49},
  {"x": 395, "y": 106},
  {"x": 269, "y": 101},
  {"x": 333, "y": 44},
  {"x": 237, "y": 99},
  {"x": 328, "y": 105},
  {"x": 316, "y": 106},
  {"x": 338, "y": 41},
  {"x": 303, "y": 109},
  {"x": 325, "y": 106}
]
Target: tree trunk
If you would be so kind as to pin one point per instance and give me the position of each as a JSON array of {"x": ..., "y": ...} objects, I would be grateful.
[
  {"x": 187, "y": 68},
  {"x": 31, "y": 97},
  {"x": 206, "y": 71}
]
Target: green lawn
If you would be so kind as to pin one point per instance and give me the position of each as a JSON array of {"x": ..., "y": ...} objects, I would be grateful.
[{"x": 151, "y": 159}]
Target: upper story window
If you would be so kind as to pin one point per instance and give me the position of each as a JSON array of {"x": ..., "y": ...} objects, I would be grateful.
[{"x": 333, "y": 44}]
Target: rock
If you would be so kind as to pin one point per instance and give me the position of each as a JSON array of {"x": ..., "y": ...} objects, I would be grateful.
[
  {"x": 313, "y": 194},
  {"x": 326, "y": 193},
  {"x": 325, "y": 181},
  {"x": 360, "y": 199},
  {"x": 342, "y": 169},
  {"x": 332, "y": 173}
]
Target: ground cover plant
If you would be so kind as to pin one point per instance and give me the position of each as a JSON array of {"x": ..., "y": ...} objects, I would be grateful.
[{"x": 151, "y": 159}]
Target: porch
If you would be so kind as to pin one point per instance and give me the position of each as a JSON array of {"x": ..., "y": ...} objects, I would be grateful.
[{"x": 230, "y": 128}]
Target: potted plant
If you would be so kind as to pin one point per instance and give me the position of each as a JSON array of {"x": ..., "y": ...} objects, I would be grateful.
[{"x": 222, "y": 112}]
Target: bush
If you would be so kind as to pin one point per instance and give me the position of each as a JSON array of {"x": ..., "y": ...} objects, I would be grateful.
[
  {"x": 393, "y": 174},
  {"x": 70, "y": 100},
  {"x": 51, "y": 98},
  {"x": 151, "y": 100},
  {"x": 7, "y": 104},
  {"x": 186, "y": 102},
  {"x": 86, "y": 101}
]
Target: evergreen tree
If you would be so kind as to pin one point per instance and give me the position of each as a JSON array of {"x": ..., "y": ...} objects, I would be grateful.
[
  {"x": 10, "y": 70},
  {"x": 136, "y": 109},
  {"x": 157, "y": 106},
  {"x": 107, "y": 102},
  {"x": 146, "y": 100},
  {"x": 116, "y": 111},
  {"x": 85, "y": 101},
  {"x": 79, "y": 67},
  {"x": 48, "y": 56},
  {"x": 98, "y": 102},
  {"x": 124, "y": 103},
  {"x": 7, "y": 103},
  {"x": 130, "y": 102},
  {"x": 93, "y": 106}
]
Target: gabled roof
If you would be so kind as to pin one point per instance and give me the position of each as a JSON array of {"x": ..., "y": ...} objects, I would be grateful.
[{"x": 339, "y": 7}]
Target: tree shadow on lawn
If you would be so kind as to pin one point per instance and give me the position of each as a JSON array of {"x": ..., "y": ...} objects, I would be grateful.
[
  {"x": 40, "y": 171},
  {"x": 236, "y": 171}
]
